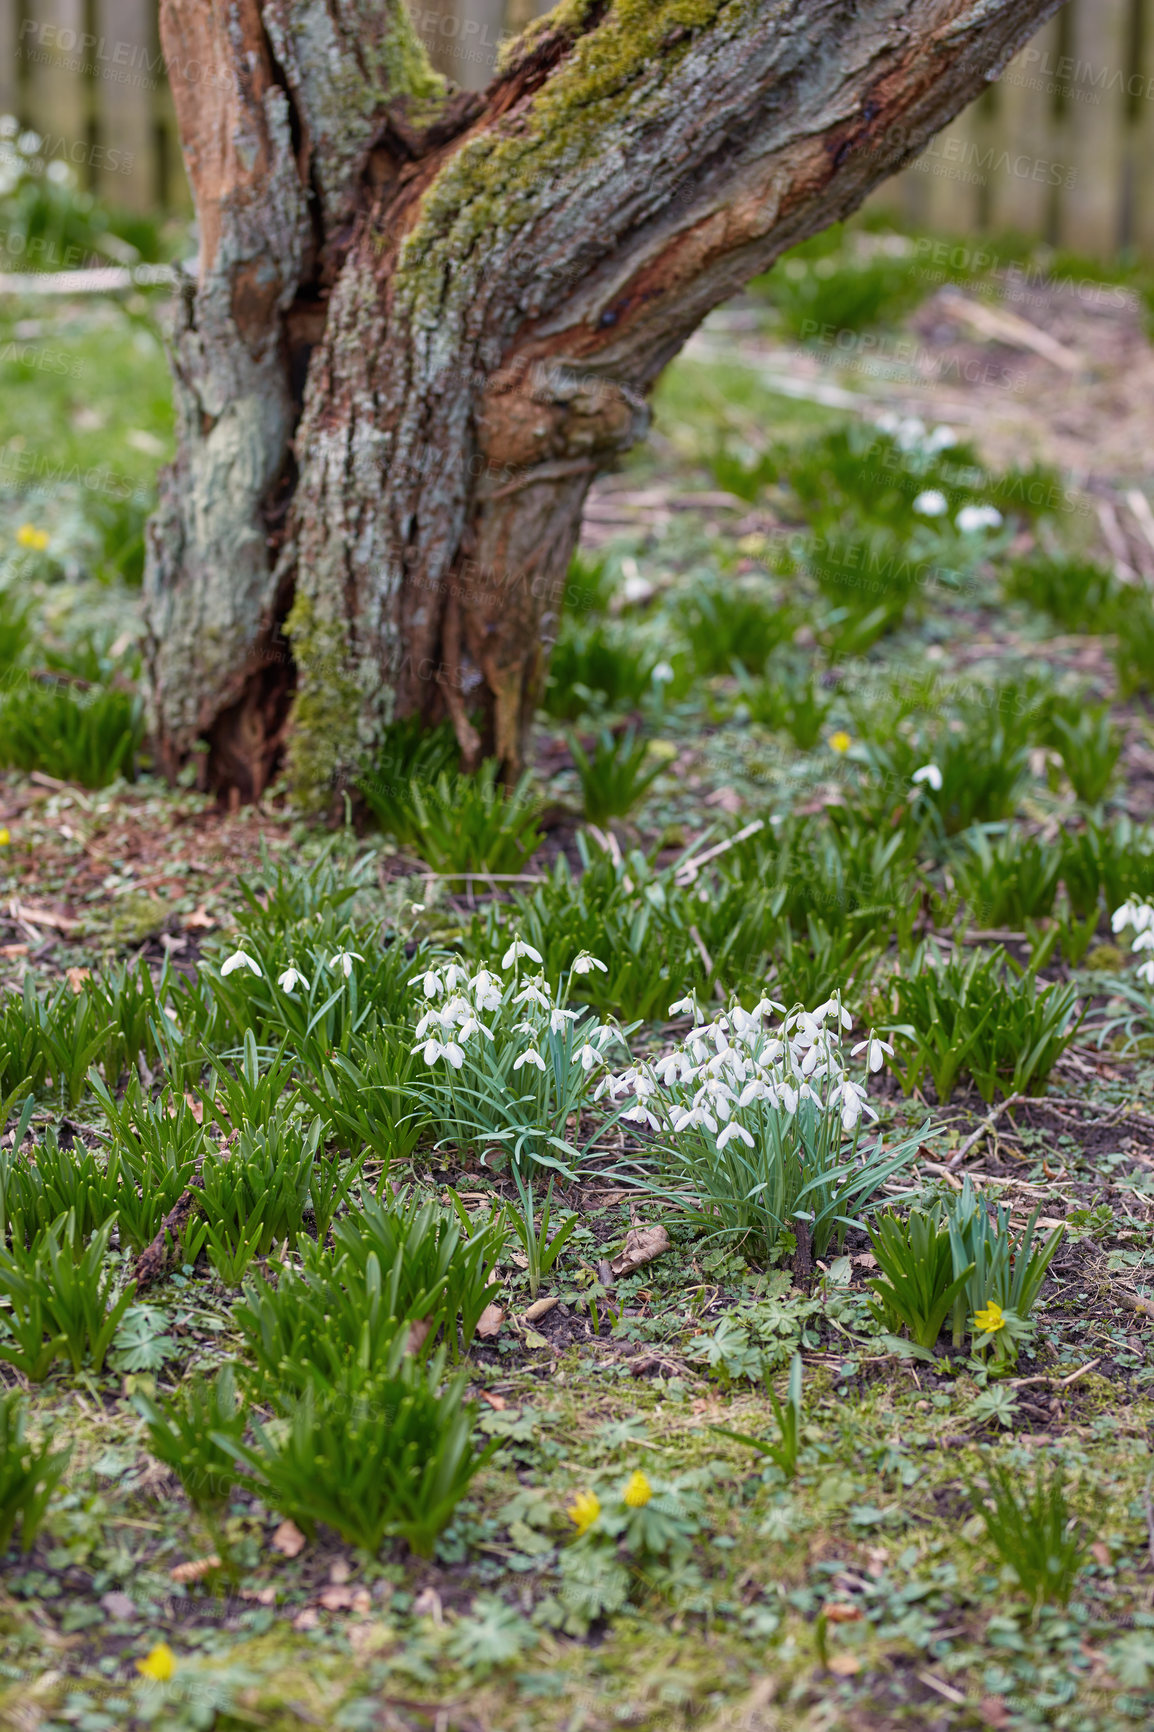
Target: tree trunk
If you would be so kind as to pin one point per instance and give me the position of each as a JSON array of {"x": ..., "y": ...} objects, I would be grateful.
[{"x": 425, "y": 321}]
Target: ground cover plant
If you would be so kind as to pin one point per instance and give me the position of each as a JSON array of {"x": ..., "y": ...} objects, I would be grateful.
[{"x": 669, "y": 1244}]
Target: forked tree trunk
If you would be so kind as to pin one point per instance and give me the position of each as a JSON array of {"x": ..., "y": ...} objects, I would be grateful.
[{"x": 426, "y": 321}]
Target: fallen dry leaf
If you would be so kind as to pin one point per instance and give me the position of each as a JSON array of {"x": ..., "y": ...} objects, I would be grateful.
[
  {"x": 1100, "y": 1552},
  {"x": 844, "y": 1665},
  {"x": 288, "y": 1539},
  {"x": 838, "y": 1612},
  {"x": 195, "y": 1569},
  {"x": 195, "y": 1107},
  {"x": 642, "y": 1244},
  {"x": 77, "y": 976},
  {"x": 994, "y": 1711},
  {"x": 306, "y": 1620},
  {"x": 428, "y": 1605},
  {"x": 200, "y": 917},
  {"x": 490, "y": 1322},
  {"x": 338, "y": 1599},
  {"x": 418, "y": 1334},
  {"x": 539, "y": 1308},
  {"x": 496, "y": 1402},
  {"x": 339, "y": 1572}
]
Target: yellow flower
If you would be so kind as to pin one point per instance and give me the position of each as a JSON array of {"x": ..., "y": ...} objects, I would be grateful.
[
  {"x": 584, "y": 1510},
  {"x": 5, "y": 838},
  {"x": 639, "y": 1491},
  {"x": 840, "y": 741},
  {"x": 29, "y": 536},
  {"x": 990, "y": 1320},
  {"x": 159, "y": 1664}
]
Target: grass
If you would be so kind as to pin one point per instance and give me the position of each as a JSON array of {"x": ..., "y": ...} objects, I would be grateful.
[{"x": 618, "y": 1504}]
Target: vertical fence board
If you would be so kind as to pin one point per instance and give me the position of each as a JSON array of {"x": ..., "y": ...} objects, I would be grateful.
[
  {"x": 1022, "y": 203},
  {"x": 56, "y": 96},
  {"x": 9, "y": 65},
  {"x": 1094, "y": 143},
  {"x": 1142, "y": 137},
  {"x": 126, "y": 91}
]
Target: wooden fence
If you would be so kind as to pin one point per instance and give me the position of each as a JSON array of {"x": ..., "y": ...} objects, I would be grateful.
[{"x": 1060, "y": 148}]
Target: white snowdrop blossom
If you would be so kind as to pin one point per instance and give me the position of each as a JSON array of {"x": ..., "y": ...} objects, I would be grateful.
[
  {"x": 432, "y": 985},
  {"x": 529, "y": 1056},
  {"x": 737, "y": 1077},
  {"x": 972, "y": 518},
  {"x": 517, "y": 949},
  {"x": 289, "y": 979},
  {"x": 435, "y": 1049},
  {"x": 662, "y": 674},
  {"x": 1138, "y": 917},
  {"x": 875, "y": 1051},
  {"x": 940, "y": 438},
  {"x": 240, "y": 959},
  {"x": 344, "y": 960},
  {"x": 931, "y": 503},
  {"x": 486, "y": 990},
  {"x": 558, "y": 1019},
  {"x": 732, "y": 1130},
  {"x": 585, "y": 964},
  {"x": 531, "y": 993},
  {"x": 928, "y": 773}
]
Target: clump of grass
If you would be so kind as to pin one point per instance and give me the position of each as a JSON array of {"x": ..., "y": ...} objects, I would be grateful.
[
  {"x": 976, "y": 1017},
  {"x": 91, "y": 737},
  {"x": 614, "y": 775}
]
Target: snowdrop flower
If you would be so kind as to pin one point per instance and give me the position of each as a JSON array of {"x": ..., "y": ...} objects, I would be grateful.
[
  {"x": 1139, "y": 915},
  {"x": 434, "y": 1049},
  {"x": 558, "y": 1019},
  {"x": 471, "y": 1026},
  {"x": 432, "y": 984},
  {"x": 875, "y": 1051},
  {"x": 698, "y": 1118},
  {"x": 832, "y": 1007},
  {"x": 928, "y": 773},
  {"x": 972, "y": 518},
  {"x": 662, "y": 674},
  {"x": 529, "y": 1056},
  {"x": 430, "y": 1016},
  {"x": 240, "y": 959},
  {"x": 910, "y": 433},
  {"x": 288, "y": 980},
  {"x": 733, "y": 1129},
  {"x": 455, "y": 976},
  {"x": 931, "y": 503},
  {"x": 640, "y": 1115},
  {"x": 588, "y": 1057},
  {"x": 487, "y": 990},
  {"x": 687, "y": 1006},
  {"x": 853, "y": 1103},
  {"x": 585, "y": 964},
  {"x": 344, "y": 960},
  {"x": 1146, "y": 972},
  {"x": 1144, "y": 940},
  {"x": 788, "y": 1097},
  {"x": 941, "y": 438},
  {"x": 531, "y": 992},
  {"x": 517, "y": 949}
]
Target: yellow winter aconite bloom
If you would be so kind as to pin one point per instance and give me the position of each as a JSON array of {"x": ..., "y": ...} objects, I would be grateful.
[
  {"x": 159, "y": 1664},
  {"x": 990, "y": 1320},
  {"x": 5, "y": 838},
  {"x": 29, "y": 536},
  {"x": 639, "y": 1491},
  {"x": 840, "y": 741},
  {"x": 584, "y": 1510}
]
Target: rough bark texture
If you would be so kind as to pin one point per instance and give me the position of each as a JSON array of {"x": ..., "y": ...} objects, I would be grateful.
[{"x": 426, "y": 321}]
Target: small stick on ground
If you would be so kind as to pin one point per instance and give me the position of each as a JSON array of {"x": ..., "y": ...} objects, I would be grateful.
[{"x": 987, "y": 1125}]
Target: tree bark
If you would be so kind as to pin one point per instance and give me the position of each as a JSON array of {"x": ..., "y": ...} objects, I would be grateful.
[{"x": 426, "y": 320}]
